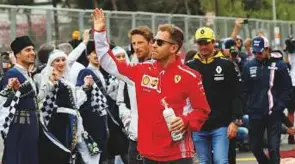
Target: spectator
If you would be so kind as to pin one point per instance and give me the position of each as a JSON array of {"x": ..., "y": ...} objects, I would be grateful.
[
  {"x": 75, "y": 39},
  {"x": 73, "y": 56},
  {"x": 231, "y": 50},
  {"x": 239, "y": 41},
  {"x": 189, "y": 55},
  {"x": 290, "y": 60},
  {"x": 248, "y": 49},
  {"x": 43, "y": 55},
  {"x": 44, "y": 52},
  {"x": 6, "y": 63}
]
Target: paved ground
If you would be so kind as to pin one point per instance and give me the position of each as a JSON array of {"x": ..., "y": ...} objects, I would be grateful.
[
  {"x": 248, "y": 158},
  {"x": 242, "y": 157}
]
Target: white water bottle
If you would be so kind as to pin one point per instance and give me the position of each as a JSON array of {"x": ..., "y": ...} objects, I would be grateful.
[{"x": 169, "y": 115}]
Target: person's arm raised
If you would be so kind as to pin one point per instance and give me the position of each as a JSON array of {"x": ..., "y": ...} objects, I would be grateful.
[
  {"x": 78, "y": 51},
  {"x": 107, "y": 59},
  {"x": 237, "y": 28}
]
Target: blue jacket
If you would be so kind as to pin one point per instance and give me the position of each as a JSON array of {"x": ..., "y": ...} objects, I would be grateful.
[
  {"x": 262, "y": 97},
  {"x": 28, "y": 98}
]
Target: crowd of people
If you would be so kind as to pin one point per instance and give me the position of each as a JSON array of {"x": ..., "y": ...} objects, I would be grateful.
[{"x": 89, "y": 101}]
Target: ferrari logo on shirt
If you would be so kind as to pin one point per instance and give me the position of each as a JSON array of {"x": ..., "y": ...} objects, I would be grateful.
[
  {"x": 149, "y": 82},
  {"x": 177, "y": 78}
]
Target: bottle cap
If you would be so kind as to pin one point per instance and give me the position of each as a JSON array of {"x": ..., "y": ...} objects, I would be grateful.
[{"x": 164, "y": 103}]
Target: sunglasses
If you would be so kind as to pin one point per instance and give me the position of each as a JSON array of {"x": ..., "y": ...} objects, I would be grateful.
[{"x": 160, "y": 42}]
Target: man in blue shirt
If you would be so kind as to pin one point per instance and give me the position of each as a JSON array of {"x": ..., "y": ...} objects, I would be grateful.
[{"x": 267, "y": 87}]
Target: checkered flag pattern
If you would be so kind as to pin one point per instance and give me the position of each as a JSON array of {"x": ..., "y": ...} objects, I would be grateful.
[
  {"x": 49, "y": 106},
  {"x": 112, "y": 83},
  {"x": 98, "y": 100},
  {"x": 10, "y": 116}
]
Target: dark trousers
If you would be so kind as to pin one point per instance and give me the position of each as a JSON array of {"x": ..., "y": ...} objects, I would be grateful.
[
  {"x": 180, "y": 161},
  {"x": 133, "y": 155},
  {"x": 21, "y": 144},
  {"x": 232, "y": 151},
  {"x": 272, "y": 123}
]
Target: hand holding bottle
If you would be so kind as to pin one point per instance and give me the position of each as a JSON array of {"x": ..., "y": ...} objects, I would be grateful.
[
  {"x": 177, "y": 125},
  {"x": 174, "y": 124}
]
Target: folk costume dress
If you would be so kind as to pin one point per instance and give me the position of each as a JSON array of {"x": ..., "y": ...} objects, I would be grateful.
[
  {"x": 61, "y": 118},
  {"x": 94, "y": 110},
  {"x": 19, "y": 119}
]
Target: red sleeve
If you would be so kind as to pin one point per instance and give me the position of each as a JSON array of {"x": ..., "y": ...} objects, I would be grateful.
[
  {"x": 129, "y": 70},
  {"x": 109, "y": 63},
  {"x": 200, "y": 109}
]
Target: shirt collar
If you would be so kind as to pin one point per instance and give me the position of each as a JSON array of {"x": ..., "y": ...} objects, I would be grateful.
[
  {"x": 22, "y": 69},
  {"x": 91, "y": 66},
  {"x": 170, "y": 65}
]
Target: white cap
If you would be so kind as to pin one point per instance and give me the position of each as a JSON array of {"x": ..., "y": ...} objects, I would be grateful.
[{"x": 266, "y": 42}]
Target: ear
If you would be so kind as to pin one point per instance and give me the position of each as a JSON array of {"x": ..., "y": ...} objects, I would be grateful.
[
  {"x": 174, "y": 48},
  {"x": 88, "y": 58},
  {"x": 150, "y": 44},
  {"x": 17, "y": 55}
]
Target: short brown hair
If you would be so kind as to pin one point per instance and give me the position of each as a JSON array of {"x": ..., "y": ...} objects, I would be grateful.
[
  {"x": 145, "y": 31},
  {"x": 44, "y": 52},
  {"x": 175, "y": 32}
]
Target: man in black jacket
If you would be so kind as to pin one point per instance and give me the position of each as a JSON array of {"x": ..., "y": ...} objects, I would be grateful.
[
  {"x": 267, "y": 87},
  {"x": 221, "y": 81}
]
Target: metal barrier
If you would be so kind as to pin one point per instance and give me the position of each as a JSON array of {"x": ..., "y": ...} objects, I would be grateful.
[{"x": 39, "y": 23}]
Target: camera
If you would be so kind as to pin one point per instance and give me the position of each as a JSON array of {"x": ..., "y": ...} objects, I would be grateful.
[
  {"x": 245, "y": 21},
  {"x": 290, "y": 45},
  {"x": 91, "y": 35},
  {"x": 234, "y": 52}
]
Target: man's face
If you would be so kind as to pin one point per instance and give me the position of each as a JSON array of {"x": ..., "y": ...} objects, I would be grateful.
[
  {"x": 163, "y": 46},
  {"x": 92, "y": 57},
  {"x": 238, "y": 43},
  {"x": 261, "y": 55},
  {"x": 27, "y": 55},
  {"x": 141, "y": 46},
  {"x": 5, "y": 58},
  {"x": 5, "y": 62},
  {"x": 206, "y": 48},
  {"x": 234, "y": 52},
  {"x": 248, "y": 45}
]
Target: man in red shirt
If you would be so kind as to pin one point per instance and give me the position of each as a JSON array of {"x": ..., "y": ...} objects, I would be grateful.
[{"x": 163, "y": 78}]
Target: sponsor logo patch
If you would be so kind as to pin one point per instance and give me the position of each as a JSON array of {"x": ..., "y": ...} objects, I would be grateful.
[
  {"x": 218, "y": 76},
  {"x": 150, "y": 82}
]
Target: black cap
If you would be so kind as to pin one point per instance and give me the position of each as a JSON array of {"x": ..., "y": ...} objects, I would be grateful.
[
  {"x": 20, "y": 43},
  {"x": 90, "y": 47},
  {"x": 229, "y": 43}
]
